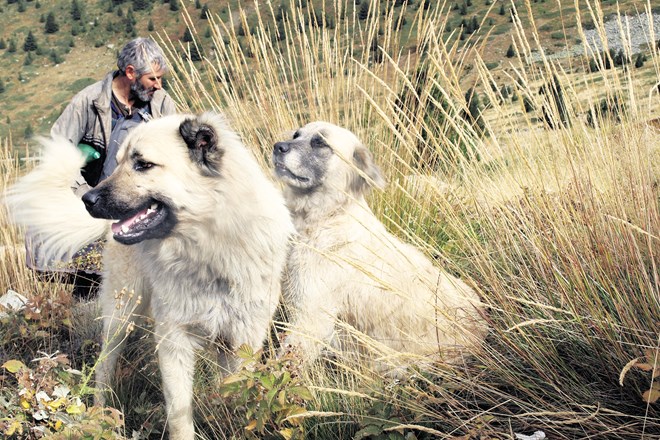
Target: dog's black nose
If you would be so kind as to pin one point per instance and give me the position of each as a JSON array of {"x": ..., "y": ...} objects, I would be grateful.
[
  {"x": 90, "y": 198},
  {"x": 282, "y": 147}
]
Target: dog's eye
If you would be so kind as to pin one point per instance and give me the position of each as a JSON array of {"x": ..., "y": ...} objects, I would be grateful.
[
  {"x": 318, "y": 142},
  {"x": 142, "y": 165}
]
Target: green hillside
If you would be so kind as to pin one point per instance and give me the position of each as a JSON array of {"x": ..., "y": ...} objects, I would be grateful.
[{"x": 50, "y": 49}]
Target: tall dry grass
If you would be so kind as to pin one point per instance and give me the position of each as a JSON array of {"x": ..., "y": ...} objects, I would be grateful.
[{"x": 557, "y": 229}]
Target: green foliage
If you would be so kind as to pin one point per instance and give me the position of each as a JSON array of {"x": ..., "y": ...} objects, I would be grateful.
[
  {"x": 511, "y": 51},
  {"x": 271, "y": 393},
  {"x": 30, "y": 43},
  {"x": 49, "y": 400},
  {"x": 76, "y": 11},
  {"x": 12, "y": 46},
  {"x": 174, "y": 5},
  {"x": 204, "y": 14},
  {"x": 150, "y": 25},
  {"x": 51, "y": 25},
  {"x": 187, "y": 36},
  {"x": 2, "y": 86},
  {"x": 608, "y": 108}
]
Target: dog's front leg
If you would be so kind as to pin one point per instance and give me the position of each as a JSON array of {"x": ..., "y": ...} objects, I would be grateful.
[{"x": 176, "y": 358}]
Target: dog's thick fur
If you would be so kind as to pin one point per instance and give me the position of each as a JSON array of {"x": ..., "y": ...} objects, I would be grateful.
[
  {"x": 346, "y": 267},
  {"x": 201, "y": 240}
]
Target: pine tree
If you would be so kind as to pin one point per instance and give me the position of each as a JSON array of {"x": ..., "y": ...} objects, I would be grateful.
[
  {"x": 510, "y": 52},
  {"x": 2, "y": 86},
  {"x": 474, "y": 23},
  {"x": 51, "y": 24},
  {"x": 3, "y": 44},
  {"x": 174, "y": 5},
  {"x": 639, "y": 61},
  {"x": 198, "y": 4},
  {"x": 76, "y": 12},
  {"x": 30, "y": 43},
  {"x": 29, "y": 132},
  {"x": 502, "y": 10},
  {"x": 364, "y": 10},
  {"x": 463, "y": 9},
  {"x": 187, "y": 36},
  {"x": 12, "y": 46},
  {"x": 150, "y": 25},
  {"x": 204, "y": 14},
  {"x": 140, "y": 5}
]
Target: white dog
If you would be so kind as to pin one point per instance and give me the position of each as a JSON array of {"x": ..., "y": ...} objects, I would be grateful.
[
  {"x": 346, "y": 267},
  {"x": 200, "y": 236}
]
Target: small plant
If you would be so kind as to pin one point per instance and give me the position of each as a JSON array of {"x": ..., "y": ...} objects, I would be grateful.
[
  {"x": 48, "y": 401},
  {"x": 271, "y": 394}
]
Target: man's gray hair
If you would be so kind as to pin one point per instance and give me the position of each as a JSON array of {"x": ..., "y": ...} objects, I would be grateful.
[{"x": 141, "y": 53}]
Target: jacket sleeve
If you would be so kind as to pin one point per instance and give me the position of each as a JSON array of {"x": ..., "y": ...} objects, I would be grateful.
[{"x": 72, "y": 123}]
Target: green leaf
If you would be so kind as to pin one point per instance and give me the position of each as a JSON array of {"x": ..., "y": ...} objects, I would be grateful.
[{"x": 13, "y": 366}]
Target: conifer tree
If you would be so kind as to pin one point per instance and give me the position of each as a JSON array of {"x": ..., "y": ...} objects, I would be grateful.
[
  {"x": 510, "y": 52},
  {"x": 76, "y": 12},
  {"x": 187, "y": 36},
  {"x": 364, "y": 10},
  {"x": 51, "y": 25},
  {"x": 30, "y": 43}
]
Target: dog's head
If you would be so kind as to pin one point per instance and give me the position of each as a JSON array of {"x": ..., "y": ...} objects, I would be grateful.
[
  {"x": 322, "y": 155},
  {"x": 162, "y": 166}
]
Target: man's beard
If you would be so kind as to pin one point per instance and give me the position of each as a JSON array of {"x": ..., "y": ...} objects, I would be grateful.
[{"x": 141, "y": 92}]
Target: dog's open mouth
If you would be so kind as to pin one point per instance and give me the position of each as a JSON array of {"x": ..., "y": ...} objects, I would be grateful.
[{"x": 152, "y": 221}]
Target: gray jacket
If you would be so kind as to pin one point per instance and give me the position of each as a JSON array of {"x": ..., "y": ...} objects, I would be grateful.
[{"x": 88, "y": 117}]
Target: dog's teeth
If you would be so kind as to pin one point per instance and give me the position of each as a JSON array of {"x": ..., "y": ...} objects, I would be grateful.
[
  {"x": 124, "y": 229},
  {"x": 153, "y": 207}
]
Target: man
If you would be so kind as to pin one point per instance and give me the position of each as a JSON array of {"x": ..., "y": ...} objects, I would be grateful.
[
  {"x": 97, "y": 119},
  {"x": 101, "y": 115}
]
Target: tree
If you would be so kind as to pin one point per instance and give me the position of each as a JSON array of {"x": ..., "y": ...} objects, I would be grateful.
[
  {"x": 364, "y": 10},
  {"x": 51, "y": 25},
  {"x": 502, "y": 11},
  {"x": 150, "y": 25},
  {"x": 174, "y": 5},
  {"x": 204, "y": 14},
  {"x": 140, "y": 5},
  {"x": 12, "y": 46},
  {"x": 463, "y": 9},
  {"x": 76, "y": 12},
  {"x": 29, "y": 132},
  {"x": 510, "y": 52},
  {"x": 3, "y": 44},
  {"x": 30, "y": 43},
  {"x": 639, "y": 61},
  {"x": 2, "y": 86},
  {"x": 187, "y": 36}
]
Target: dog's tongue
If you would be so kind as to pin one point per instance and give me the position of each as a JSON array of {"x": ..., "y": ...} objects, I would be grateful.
[{"x": 125, "y": 225}]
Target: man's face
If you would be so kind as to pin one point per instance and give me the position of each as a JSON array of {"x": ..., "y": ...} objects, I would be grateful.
[{"x": 144, "y": 86}]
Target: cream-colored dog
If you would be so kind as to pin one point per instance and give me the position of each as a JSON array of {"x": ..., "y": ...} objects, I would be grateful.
[
  {"x": 346, "y": 268},
  {"x": 195, "y": 230}
]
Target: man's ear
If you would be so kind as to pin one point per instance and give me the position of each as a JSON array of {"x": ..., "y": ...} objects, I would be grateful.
[{"x": 130, "y": 72}]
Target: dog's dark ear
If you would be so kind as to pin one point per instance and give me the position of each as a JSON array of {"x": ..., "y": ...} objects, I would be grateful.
[
  {"x": 370, "y": 173},
  {"x": 202, "y": 141}
]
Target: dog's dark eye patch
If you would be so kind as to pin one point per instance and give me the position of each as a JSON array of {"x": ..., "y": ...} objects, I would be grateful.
[
  {"x": 318, "y": 141},
  {"x": 296, "y": 135}
]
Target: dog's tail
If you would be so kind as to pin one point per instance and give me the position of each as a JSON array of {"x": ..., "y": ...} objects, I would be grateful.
[{"x": 44, "y": 202}]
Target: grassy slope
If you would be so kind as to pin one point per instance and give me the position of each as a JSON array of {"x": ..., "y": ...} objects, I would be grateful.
[{"x": 36, "y": 94}]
